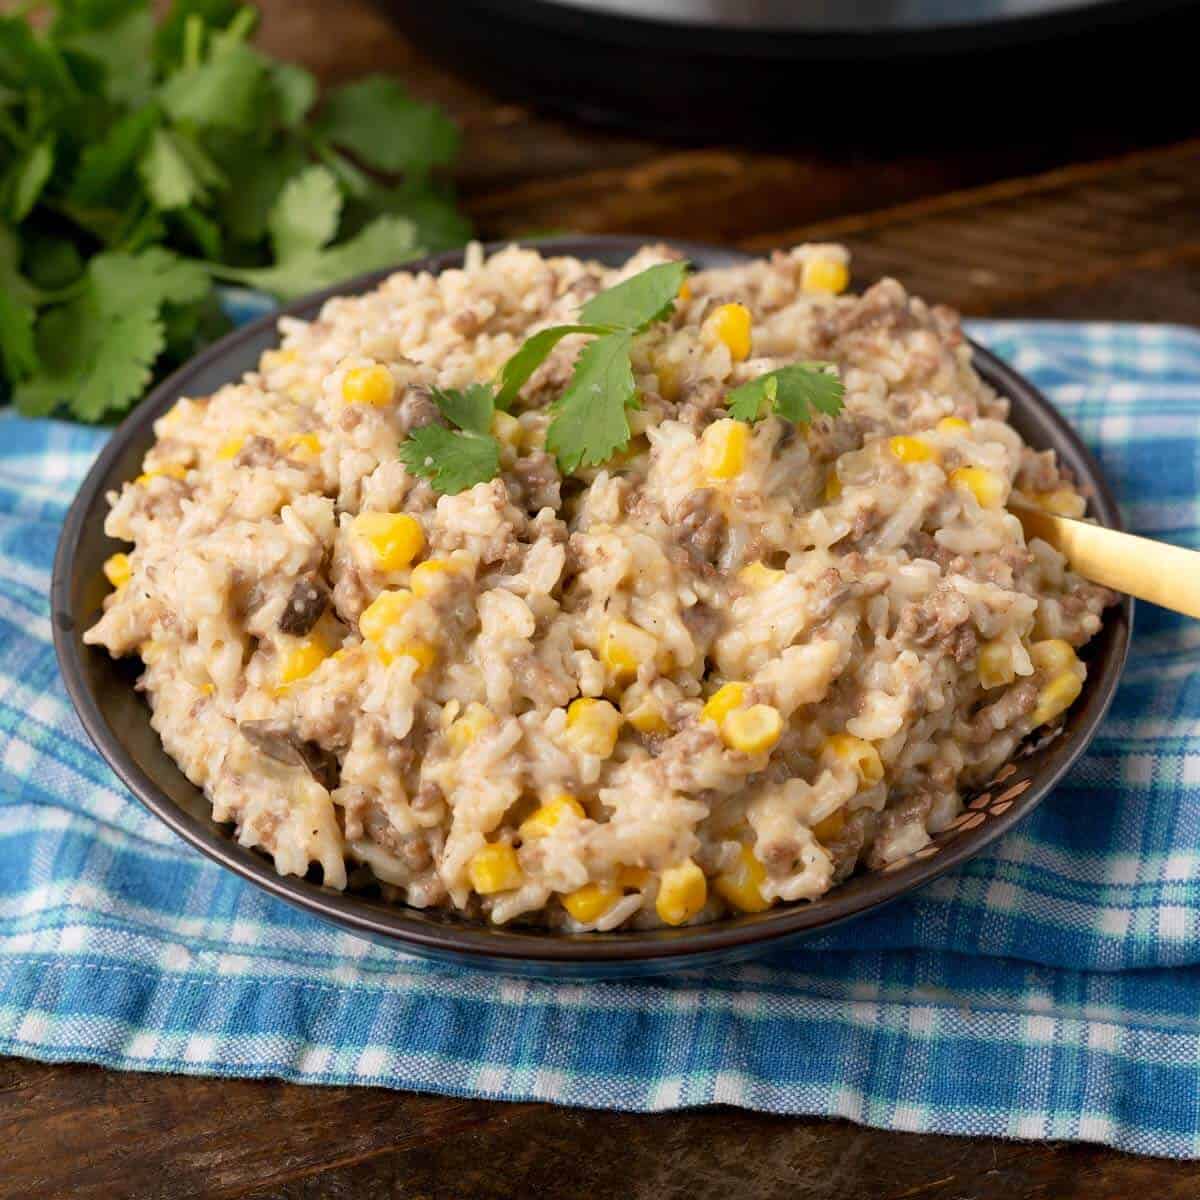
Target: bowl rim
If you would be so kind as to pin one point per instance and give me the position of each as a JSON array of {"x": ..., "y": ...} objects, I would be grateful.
[{"x": 467, "y": 941}]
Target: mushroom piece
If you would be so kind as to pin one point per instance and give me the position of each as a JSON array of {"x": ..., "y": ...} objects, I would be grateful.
[
  {"x": 284, "y": 745},
  {"x": 308, "y": 599}
]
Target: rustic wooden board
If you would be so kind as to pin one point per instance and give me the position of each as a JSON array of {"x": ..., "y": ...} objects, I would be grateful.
[{"x": 1118, "y": 238}]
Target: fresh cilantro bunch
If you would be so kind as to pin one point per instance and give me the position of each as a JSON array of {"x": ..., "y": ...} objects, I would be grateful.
[
  {"x": 589, "y": 422},
  {"x": 141, "y": 162}
]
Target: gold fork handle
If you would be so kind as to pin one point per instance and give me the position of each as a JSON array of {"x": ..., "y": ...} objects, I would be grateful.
[{"x": 1156, "y": 571}]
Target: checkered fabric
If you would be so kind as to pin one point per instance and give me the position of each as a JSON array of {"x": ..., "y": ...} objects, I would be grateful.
[{"x": 1047, "y": 989}]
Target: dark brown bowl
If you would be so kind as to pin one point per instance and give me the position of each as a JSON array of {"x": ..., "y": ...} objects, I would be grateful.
[{"x": 118, "y": 720}]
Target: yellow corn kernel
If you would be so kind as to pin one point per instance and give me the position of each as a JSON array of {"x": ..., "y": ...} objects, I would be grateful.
[
  {"x": 723, "y": 701},
  {"x": 825, "y": 275},
  {"x": 730, "y": 325},
  {"x": 474, "y": 720},
  {"x": 542, "y": 820},
  {"x": 830, "y": 827},
  {"x": 624, "y": 647},
  {"x": 996, "y": 664},
  {"x": 494, "y": 868},
  {"x": 1057, "y": 696},
  {"x": 647, "y": 717},
  {"x": 1063, "y": 502},
  {"x": 301, "y": 658},
  {"x": 428, "y": 576},
  {"x": 382, "y": 613},
  {"x": 682, "y": 892},
  {"x": 394, "y": 539},
  {"x": 506, "y": 429},
  {"x": 170, "y": 471},
  {"x": 207, "y": 689},
  {"x": 230, "y": 448},
  {"x": 368, "y": 385},
  {"x": 859, "y": 754},
  {"x": 685, "y": 292},
  {"x": 118, "y": 570},
  {"x": 752, "y": 730},
  {"x": 1053, "y": 655},
  {"x": 303, "y": 445},
  {"x": 741, "y": 888},
  {"x": 633, "y": 879},
  {"x": 912, "y": 449},
  {"x": 590, "y": 902},
  {"x": 421, "y": 652},
  {"x": 670, "y": 378},
  {"x": 592, "y": 726},
  {"x": 757, "y": 575},
  {"x": 723, "y": 445},
  {"x": 954, "y": 427},
  {"x": 833, "y": 487},
  {"x": 987, "y": 486},
  {"x": 273, "y": 359}
]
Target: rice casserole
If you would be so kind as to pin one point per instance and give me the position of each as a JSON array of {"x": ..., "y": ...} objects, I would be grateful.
[{"x": 722, "y": 671}]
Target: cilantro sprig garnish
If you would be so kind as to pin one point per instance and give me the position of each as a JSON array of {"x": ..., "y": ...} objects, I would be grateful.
[
  {"x": 589, "y": 421},
  {"x": 139, "y": 163},
  {"x": 794, "y": 392},
  {"x": 456, "y": 459}
]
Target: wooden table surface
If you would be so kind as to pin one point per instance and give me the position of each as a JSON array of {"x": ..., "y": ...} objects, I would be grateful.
[{"x": 1082, "y": 223}]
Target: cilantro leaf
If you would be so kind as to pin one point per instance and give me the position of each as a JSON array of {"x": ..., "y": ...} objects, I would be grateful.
[
  {"x": 386, "y": 242},
  {"x": 256, "y": 176},
  {"x": 97, "y": 351},
  {"x": 198, "y": 232},
  {"x": 95, "y": 360},
  {"x": 295, "y": 92},
  {"x": 11, "y": 280},
  {"x": 795, "y": 392},
  {"x": 639, "y": 301},
  {"x": 155, "y": 276},
  {"x": 383, "y": 126},
  {"x": 169, "y": 179},
  {"x": 105, "y": 165},
  {"x": 470, "y": 408},
  {"x": 222, "y": 93},
  {"x": 27, "y": 61},
  {"x": 212, "y": 14},
  {"x": 53, "y": 262},
  {"x": 28, "y": 177},
  {"x": 89, "y": 16},
  {"x": 530, "y": 355},
  {"x": 121, "y": 367},
  {"x": 118, "y": 37},
  {"x": 17, "y": 349},
  {"x": 589, "y": 423},
  {"x": 452, "y": 460},
  {"x": 439, "y": 224},
  {"x": 305, "y": 216}
]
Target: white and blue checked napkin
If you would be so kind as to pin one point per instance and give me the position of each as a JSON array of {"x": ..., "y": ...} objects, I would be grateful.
[{"x": 1048, "y": 989}]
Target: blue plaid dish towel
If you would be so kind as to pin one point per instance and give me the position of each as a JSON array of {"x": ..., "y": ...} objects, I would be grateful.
[{"x": 1047, "y": 989}]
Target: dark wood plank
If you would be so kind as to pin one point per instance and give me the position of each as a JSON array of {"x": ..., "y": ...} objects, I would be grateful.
[
  {"x": 1011, "y": 246},
  {"x": 84, "y": 1133}
]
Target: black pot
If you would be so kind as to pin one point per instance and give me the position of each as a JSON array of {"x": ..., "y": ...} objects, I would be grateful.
[{"x": 820, "y": 72}]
